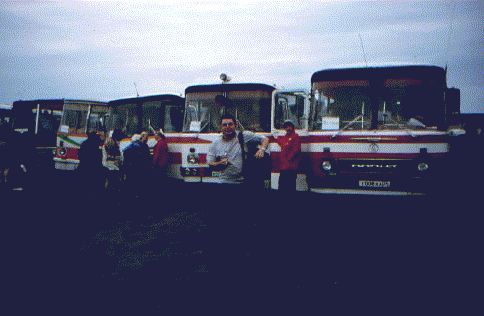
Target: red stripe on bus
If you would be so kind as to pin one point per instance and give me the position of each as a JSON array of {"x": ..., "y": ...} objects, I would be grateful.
[
  {"x": 374, "y": 138},
  {"x": 187, "y": 140}
]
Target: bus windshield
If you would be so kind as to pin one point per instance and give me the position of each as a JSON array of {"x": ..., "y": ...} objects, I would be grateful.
[
  {"x": 124, "y": 118},
  {"x": 165, "y": 115},
  {"x": 134, "y": 116},
  {"x": 75, "y": 118},
  {"x": 400, "y": 103},
  {"x": 250, "y": 108},
  {"x": 289, "y": 106},
  {"x": 97, "y": 119}
]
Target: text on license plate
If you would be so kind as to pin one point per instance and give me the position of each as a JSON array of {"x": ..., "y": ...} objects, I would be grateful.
[{"x": 374, "y": 184}]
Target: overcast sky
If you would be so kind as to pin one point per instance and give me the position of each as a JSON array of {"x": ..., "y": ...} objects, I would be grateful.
[{"x": 98, "y": 50}]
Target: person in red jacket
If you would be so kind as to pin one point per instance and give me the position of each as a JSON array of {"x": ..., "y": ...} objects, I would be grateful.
[
  {"x": 160, "y": 156},
  {"x": 289, "y": 158}
]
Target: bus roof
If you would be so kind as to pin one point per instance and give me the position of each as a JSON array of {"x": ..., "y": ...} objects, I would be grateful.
[
  {"x": 149, "y": 98},
  {"x": 230, "y": 87},
  {"x": 363, "y": 73},
  {"x": 51, "y": 104}
]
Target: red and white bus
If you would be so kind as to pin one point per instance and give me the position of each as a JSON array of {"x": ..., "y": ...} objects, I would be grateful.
[
  {"x": 79, "y": 117},
  {"x": 382, "y": 130}
]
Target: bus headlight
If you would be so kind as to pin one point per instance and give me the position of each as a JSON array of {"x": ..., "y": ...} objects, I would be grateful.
[
  {"x": 326, "y": 165},
  {"x": 61, "y": 151},
  {"x": 192, "y": 157},
  {"x": 422, "y": 166}
]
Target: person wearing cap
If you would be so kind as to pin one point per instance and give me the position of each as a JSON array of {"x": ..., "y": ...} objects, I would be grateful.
[{"x": 289, "y": 157}]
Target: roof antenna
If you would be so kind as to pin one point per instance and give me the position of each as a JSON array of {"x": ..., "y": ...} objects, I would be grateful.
[
  {"x": 363, "y": 48},
  {"x": 137, "y": 94}
]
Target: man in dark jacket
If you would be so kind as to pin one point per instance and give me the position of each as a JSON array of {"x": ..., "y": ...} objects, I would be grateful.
[
  {"x": 137, "y": 163},
  {"x": 91, "y": 168}
]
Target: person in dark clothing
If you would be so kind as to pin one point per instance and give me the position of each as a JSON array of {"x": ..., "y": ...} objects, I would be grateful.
[
  {"x": 17, "y": 163},
  {"x": 112, "y": 162},
  {"x": 91, "y": 168},
  {"x": 137, "y": 163},
  {"x": 289, "y": 157}
]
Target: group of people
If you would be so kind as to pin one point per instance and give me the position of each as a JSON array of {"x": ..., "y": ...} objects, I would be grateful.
[
  {"x": 241, "y": 156},
  {"x": 109, "y": 167},
  {"x": 236, "y": 157}
]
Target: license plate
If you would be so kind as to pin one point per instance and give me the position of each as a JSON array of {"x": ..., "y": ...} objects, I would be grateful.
[
  {"x": 374, "y": 184},
  {"x": 216, "y": 174}
]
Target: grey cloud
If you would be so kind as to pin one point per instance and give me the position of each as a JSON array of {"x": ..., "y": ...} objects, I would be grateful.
[{"x": 97, "y": 50}]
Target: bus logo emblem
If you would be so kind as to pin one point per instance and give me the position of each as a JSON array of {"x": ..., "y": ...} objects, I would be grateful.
[{"x": 374, "y": 148}]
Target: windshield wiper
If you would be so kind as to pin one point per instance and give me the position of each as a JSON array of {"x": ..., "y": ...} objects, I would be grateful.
[
  {"x": 347, "y": 125},
  {"x": 401, "y": 127}
]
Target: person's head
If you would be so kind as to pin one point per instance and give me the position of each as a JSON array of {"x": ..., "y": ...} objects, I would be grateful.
[
  {"x": 288, "y": 125},
  {"x": 228, "y": 125},
  {"x": 144, "y": 137},
  {"x": 117, "y": 135},
  {"x": 93, "y": 137},
  {"x": 159, "y": 135}
]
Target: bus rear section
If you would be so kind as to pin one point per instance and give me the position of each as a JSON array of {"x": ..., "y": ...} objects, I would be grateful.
[
  {"x": 150, "y": 113},
  {"x": 79, "y": 117},
  {"x": 378, "y": 130},
  {"x": 249, "y": 103}
]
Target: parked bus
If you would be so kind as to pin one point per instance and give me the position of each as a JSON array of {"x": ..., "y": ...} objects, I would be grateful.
[
  {"x": 79, "y": 117},
  {"x": 149, "y": 113},
  {"x": 250, "y": 103},
  {"x": 381, "y": 130}
]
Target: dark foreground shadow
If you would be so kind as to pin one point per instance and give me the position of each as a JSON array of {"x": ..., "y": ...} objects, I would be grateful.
[{"x": 188, "y": 248}]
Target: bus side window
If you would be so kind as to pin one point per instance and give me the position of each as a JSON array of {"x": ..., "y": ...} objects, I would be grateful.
[{"x": 176, "y": 118}]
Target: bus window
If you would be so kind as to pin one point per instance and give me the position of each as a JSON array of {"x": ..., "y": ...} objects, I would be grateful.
[
  {"x": 97, "y": 119},
  {"x": 124, "y": 117},
  {"x": 403, "y": 102},
  {"x": 75, "y": 118},
  {"x": 340, "y": 105},
  {"x": 173, "y": 118},
  {"x": 202, "y": 108},
  {"x": 289, "y": 106},
  {"x": 152, "y": 115},
  {"x": 251, "y": 108}
]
